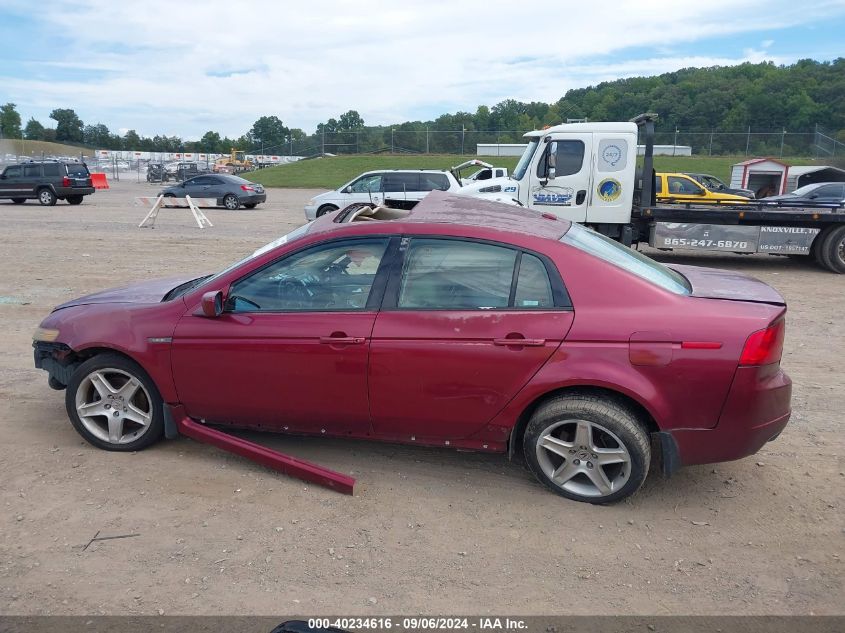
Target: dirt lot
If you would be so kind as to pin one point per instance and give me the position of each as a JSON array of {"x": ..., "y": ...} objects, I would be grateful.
[{"x": 428, "y": 530}]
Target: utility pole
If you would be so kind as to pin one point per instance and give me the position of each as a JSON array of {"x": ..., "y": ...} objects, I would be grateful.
[
  {"x": 323, "y": 151},
  {"x": 391, "y": 140},
  {"x": 426, "y": 141},
  {"x": 747, "y": 141},
  {"x": 782, "y": 137},
  {"x": 675, "y": 143},
  {"x": 463, "y": 134},
  {"x": 710, "y": 151}
]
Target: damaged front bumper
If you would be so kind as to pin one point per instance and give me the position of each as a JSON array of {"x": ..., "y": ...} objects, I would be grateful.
[{"x": 56, "y": 360}]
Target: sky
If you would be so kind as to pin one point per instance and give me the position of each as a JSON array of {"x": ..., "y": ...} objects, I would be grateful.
[{"x": 183, "y": 68}]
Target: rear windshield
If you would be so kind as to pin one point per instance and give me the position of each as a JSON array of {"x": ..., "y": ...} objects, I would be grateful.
[
  {"x": 627, "y": 258},
  {"x": 77, "y": 170}
]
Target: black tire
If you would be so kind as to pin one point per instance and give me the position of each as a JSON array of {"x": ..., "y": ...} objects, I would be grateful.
[
  {"x": 18, "y": 200},
  {"x": 231, "y": 202},
  {"x": 46, "y": 197},
  {"x": 326, "y": 208},
  {"x": 614, "y": 428},
  {"x": 119, "y": 365},
  {"x": 74, "y": 199},
  {"x": 831, "y": 251},
  {"x": 251, "y": 205}
]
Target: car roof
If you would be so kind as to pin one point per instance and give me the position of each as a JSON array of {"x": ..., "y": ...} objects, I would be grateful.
[{"x": 440, "y": 207}]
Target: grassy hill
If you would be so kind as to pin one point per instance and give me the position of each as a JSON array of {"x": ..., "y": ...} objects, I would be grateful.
[
  {"x": 332, "y": 172},
  {"x": 35, "y": 149}
]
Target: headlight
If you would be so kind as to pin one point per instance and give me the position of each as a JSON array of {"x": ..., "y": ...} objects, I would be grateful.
[{"x": 45, "y": 334}]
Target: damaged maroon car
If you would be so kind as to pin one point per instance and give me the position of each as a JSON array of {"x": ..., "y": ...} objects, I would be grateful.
[{"x": 459, "y": 323}]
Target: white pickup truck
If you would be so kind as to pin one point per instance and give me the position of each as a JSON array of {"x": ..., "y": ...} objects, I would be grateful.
[
  {"x": 486, "y": 172},
  {"x": 589, "y": 173}
]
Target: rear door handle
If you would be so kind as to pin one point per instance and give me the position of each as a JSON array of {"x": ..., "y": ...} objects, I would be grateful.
[
  {"x": 520, "y": 342},
  {"x": 342, "y": 340}
]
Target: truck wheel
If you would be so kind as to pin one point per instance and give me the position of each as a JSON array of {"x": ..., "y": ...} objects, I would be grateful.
[
  {"x": 587, "y": 448},
  {"x": 831, "y": 251},
  {"x": 47, "y": 198}
]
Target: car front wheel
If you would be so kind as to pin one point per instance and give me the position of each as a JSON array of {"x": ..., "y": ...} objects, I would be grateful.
[
  {"x": 114, "y": 405},
  {"x": 231, "y": 202},
  {"x": 587, "y": 448},
  {"x": 47, "y": 198}
]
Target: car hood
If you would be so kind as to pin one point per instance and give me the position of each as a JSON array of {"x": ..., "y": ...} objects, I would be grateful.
[
  {"x": 143, "y": 292},
  {"x": 713, "y": 283}
]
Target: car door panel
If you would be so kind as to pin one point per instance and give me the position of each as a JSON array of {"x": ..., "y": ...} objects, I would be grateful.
[
  {"x": 269, "y": 370},
  {"x": 443, "y": 375}
]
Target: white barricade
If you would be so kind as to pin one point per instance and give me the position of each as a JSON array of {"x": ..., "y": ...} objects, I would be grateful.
[{"x": 170, "y": 202}]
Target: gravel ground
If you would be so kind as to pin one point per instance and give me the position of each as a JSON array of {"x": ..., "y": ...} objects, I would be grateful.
[{"x": 428, "y": 530}]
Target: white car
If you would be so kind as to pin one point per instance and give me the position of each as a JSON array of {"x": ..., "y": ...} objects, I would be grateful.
[{"x": 399, "y": 188}]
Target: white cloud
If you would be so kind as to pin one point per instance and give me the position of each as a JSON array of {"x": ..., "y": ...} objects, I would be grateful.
[{"x": 185, "y": 67}]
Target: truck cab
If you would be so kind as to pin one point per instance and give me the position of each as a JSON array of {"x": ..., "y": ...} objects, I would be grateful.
[{"x": 584, "y": 172}]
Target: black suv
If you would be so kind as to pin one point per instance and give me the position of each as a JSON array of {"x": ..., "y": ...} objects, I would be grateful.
[{"x": 46, "y": 181}]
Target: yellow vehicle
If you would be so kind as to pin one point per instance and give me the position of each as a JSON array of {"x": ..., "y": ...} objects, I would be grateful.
[
  {"x": 234, "y": 163},
  {"x": 671, "y": 187}
]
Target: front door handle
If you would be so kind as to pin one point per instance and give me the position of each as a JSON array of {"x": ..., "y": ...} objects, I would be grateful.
[
  {"x": 520, "y": 342},
  {"x": 342, "y": 340}
]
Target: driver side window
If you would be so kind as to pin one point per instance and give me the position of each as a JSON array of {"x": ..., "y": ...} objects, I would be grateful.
[
  {"x": 335, "y": 276},
  {"x": 371, "y": 184}
]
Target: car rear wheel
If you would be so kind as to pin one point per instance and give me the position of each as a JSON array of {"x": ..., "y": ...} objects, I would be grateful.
[
  {"x": 231, "y": 202},
  {"x": 114, "y": 405},
  {"x": 587, "y": 448},
  {"x": 831, "y": 251},
  {"x": 18, "y": 200},
  {"x": 74, "y": 199},
  {"x": 327, "y": 208},
  {"x": 46, "y": 197}
]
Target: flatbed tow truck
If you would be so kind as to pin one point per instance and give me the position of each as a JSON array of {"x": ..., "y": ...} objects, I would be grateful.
[{"x": 590, "y": 173}]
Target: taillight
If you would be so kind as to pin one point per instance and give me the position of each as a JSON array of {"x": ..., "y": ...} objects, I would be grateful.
[
  {"x": 764, "y": 346},
  {"x": 247, "y": 187},
  {"x": 65, "y": 182}
]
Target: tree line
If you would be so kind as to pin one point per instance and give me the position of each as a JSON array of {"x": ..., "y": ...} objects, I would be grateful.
[{"x": 764, "y": 96}]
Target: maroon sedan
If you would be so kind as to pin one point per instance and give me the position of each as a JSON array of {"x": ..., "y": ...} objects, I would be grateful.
[{"x": 460, "y": 323}]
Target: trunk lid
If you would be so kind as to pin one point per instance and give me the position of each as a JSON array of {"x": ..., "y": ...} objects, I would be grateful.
[{"x": 713, "y": 283}]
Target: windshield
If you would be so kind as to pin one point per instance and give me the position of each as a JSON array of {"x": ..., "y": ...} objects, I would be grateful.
[
  {"x": 288, "y": 237},
  {"x": 633, "y": 261},
  {"x": 525, "y": 160}
]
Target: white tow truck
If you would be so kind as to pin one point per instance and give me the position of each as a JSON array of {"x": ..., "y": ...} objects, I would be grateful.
[{"x": 590, "y": 173}]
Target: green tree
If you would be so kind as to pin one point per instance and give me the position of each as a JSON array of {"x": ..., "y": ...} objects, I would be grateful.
[
  {"x": 268, "y": 132},
  {"x": 97, "y": 136},
  {"x": 34, "y": 131},
  {"x": 210, "y": 142},
  {"x": 10, "y": 121},
  {"x": 350, "y": 121},
  {"x": 69, "y": 127},
  {"x": 132, "y": 141}
]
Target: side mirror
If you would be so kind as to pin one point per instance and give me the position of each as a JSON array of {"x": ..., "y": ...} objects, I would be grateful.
[{"x": 212, "y": 304}]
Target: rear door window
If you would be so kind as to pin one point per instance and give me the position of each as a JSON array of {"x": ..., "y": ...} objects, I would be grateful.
[
  {"x": 434, "y": 182},
  {"x": 401, "y": 182},
  {"x": 32, "y": 171},
  {"x": 533, "y": 287},
  {"x": 51, "y": 170},
  {"x": 456, "y": 275}
]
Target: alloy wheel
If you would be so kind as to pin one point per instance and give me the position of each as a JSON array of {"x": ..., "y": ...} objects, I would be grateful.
[
  {"x": 583, "y": 458},
  {"x": 114, "y": 406}
]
